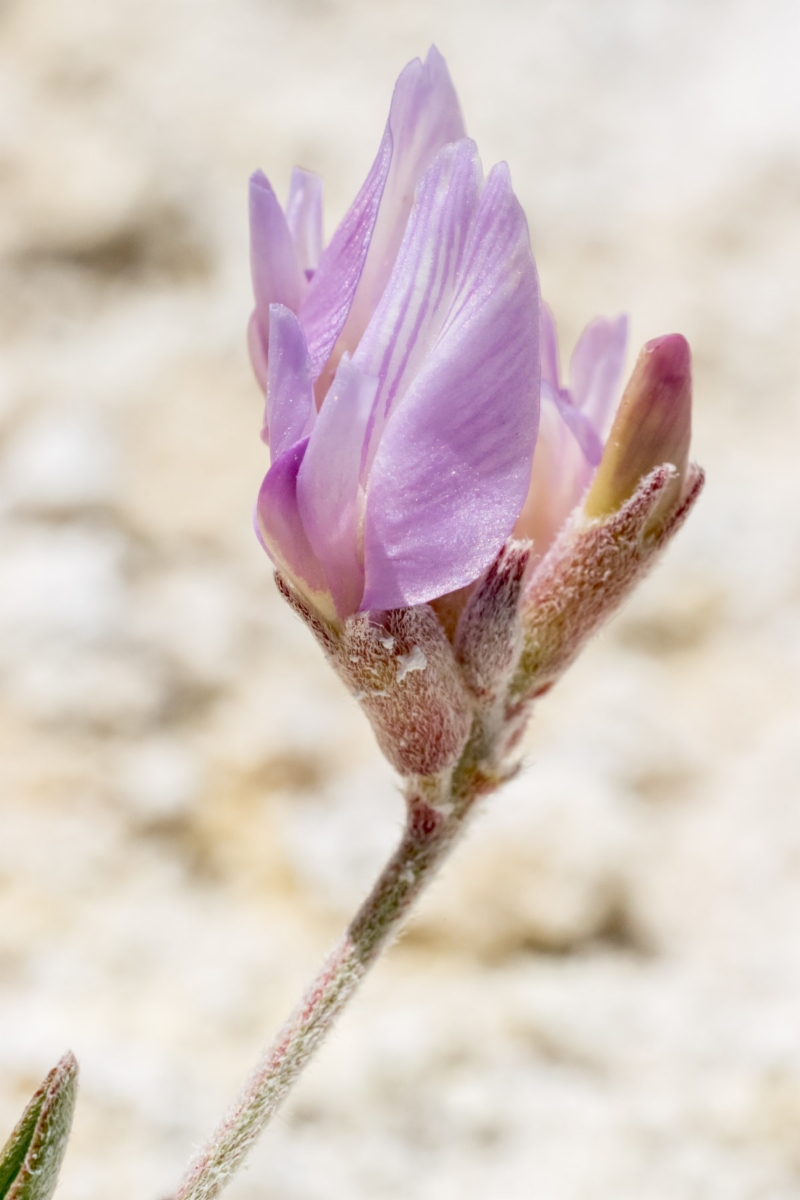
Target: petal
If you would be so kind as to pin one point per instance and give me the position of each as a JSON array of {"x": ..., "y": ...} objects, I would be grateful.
[
  {"x": 277, "y": 278},
  {"x": 258, "y": 353},
  {"x": 304, "y": 218},
  {"x": 354, "y": 269},
  {"x": 595, "y": 370},
  {"x": 453, "y": 466},
  {"x": 559, "y": 476},
  {"x": 281, "y": 531},
  {"x": 330, "y": 293},
  {"x": 329, "y": 499},
  {"x": 580, "y": 427},
  {"x": 419, "y": 294},
  {"x": 425, "y": 115},
  {"x": 550, "y": 371},
  {"x": 290, "y": 411}
]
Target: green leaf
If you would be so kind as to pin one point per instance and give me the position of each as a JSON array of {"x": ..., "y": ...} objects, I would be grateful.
[{"x": 31, "y": 1158}]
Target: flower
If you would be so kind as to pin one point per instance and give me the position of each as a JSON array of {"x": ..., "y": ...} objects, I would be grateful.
[{"x": 400, "y": 366}]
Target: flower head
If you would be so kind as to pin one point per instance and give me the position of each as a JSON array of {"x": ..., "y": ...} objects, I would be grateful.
[
  {"x": 405, "y": 366},
  {"x": 400, "y": 365}
]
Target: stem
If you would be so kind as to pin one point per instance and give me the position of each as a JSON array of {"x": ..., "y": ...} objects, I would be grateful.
[{"x": 436, "y": 814}]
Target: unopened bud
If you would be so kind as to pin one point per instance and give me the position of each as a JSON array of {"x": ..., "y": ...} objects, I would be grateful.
[{"x": 652, "y": 427}]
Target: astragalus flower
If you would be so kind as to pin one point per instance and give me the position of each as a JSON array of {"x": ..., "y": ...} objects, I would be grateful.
[
  {"x": 449, "y": 565},
  {"x": 400, "y": 365}
]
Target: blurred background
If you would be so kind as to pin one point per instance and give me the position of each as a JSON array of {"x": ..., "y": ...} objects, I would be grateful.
[{"x": 601, "y": 998}]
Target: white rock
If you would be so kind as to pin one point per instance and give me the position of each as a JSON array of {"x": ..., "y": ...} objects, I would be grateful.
[
  {"x": 157, "y": 779},
  {"x": 63, "y": 583},
  {"x": 58, "y": 464}
]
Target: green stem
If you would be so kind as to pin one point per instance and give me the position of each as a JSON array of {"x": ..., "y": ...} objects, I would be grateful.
[{"x": 437, "y": 810}]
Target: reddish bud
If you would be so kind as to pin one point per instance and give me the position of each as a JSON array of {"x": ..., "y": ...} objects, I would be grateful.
[{"x": 652, "y": 427}]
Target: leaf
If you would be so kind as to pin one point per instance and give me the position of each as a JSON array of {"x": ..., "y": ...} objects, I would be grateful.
[{"x": 31, "y": 1158}]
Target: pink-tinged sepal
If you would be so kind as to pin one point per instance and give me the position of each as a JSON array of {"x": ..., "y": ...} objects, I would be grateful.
[
  {"x": 589, "y": 571},
  {"x": 488, "y": 638},
  {"x": 401, "y": 668}
]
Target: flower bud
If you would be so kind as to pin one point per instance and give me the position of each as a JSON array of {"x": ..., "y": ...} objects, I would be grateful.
[{"x": 653, "y": 426}]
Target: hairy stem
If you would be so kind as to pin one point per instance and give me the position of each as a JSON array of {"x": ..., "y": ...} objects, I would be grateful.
[{"x": 437, "y": 810}]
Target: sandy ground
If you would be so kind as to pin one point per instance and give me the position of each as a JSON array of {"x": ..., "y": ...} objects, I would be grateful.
[{"x": 601, "y": 999}]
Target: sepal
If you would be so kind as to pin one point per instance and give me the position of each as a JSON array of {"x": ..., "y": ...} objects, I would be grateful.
[
  {"x": 488, "y": 637},
  {"x": 587, "y": 574},
  {"x": 31, "y": 1158},
  {"x": 401, "y": 668}
]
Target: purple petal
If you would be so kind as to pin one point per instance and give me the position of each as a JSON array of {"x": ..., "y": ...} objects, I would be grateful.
[
  {"x": 559, "y": 476},
  {"x": 579, "y": 426},
  {"x": 595, "y": 370},
  {"x": 329, "y": 497},
  {"x": 281, "y": 530},
  {"x": 277, "y": 278},
  {"x": 425, "y": 115},
  {"x": 304, "y": 218},
  {"x": 330, "y": 293},
  {"x": 550, "y": 371},
  {"x": 258, "y": 353},
  {"x": 419, "y": 294},
  {"x": 355, "y": 267},
  {"x": 290, "y": 413},
  {"x": 453, "y": 466}
]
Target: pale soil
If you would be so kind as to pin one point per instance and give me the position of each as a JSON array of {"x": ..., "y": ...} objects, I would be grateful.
[{"x": 601, "y": 1001}]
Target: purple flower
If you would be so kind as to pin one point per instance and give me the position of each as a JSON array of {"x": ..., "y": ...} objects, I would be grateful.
[{"x": 400, "y": 365}]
